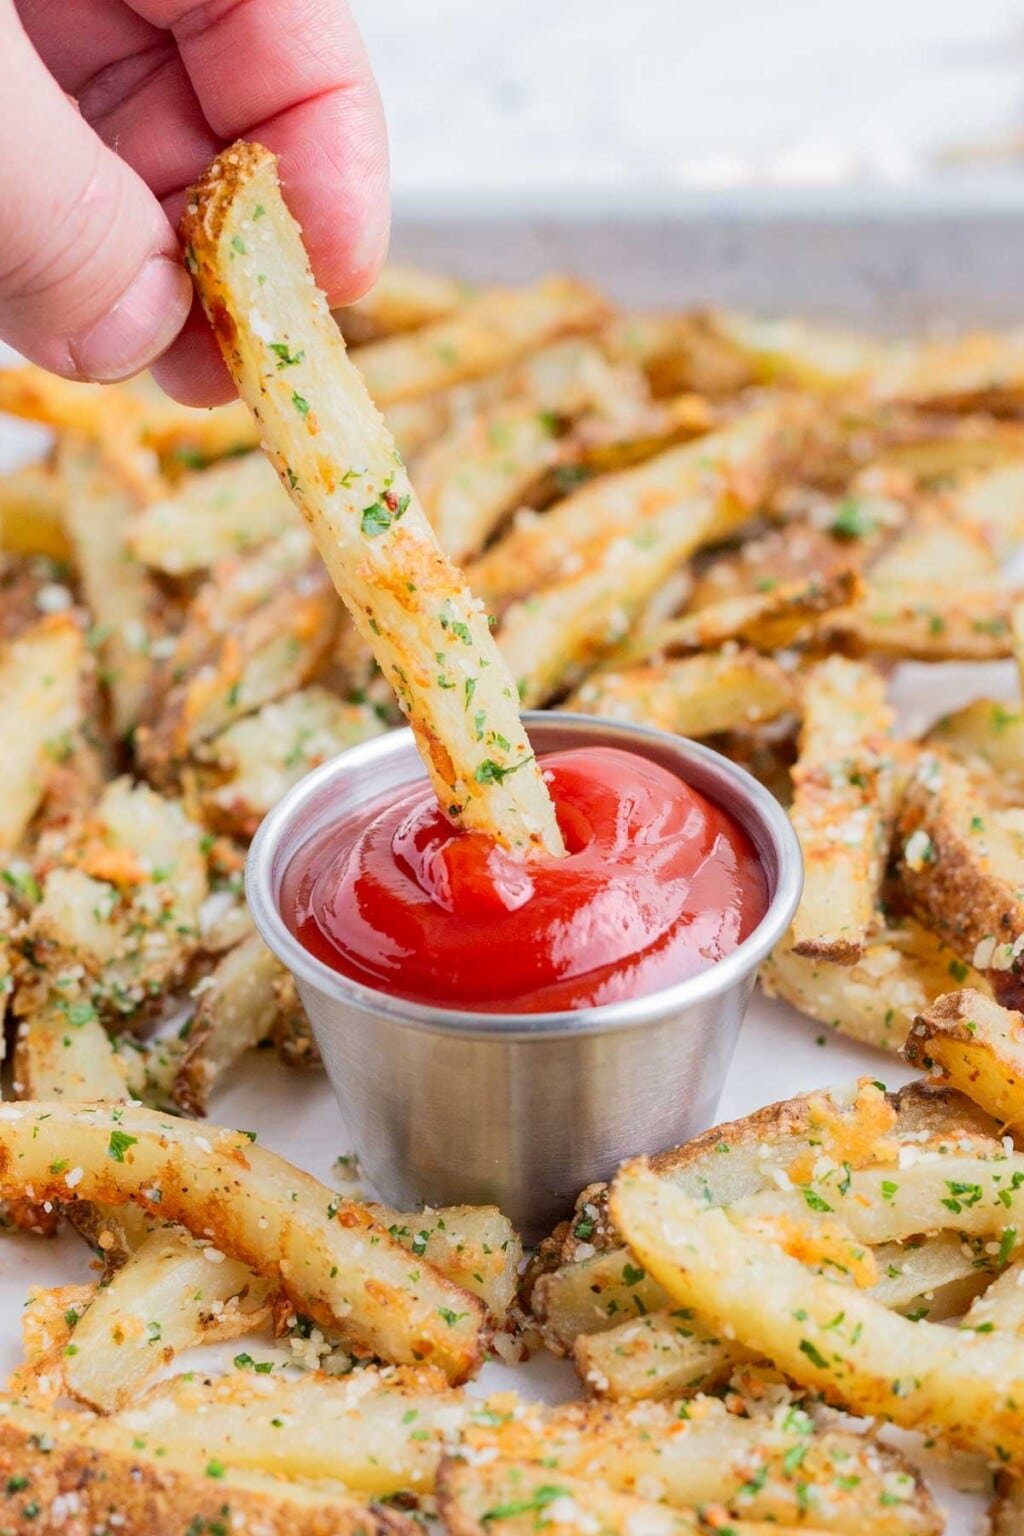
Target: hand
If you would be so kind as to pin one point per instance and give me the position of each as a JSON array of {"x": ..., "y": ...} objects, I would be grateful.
[{"x": 109, "y": 110}]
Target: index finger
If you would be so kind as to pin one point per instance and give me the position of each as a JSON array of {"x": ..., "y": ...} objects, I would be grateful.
[{"x": 293, "y": 75}]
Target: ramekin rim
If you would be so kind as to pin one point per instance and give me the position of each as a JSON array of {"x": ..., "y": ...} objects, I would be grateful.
[{"x": 759, "y": 804}]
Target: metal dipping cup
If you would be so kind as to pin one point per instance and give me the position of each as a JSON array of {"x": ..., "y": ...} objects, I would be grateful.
[{"x": 445, "y": 1106}]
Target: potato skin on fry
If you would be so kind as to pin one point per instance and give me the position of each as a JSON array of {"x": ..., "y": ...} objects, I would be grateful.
[
  {"x": 961, "y": 863},
  {"x": 239, "y": 1007},
  {"x": 979, "y": 1046},
  {"x": 50, "y": 1481}
]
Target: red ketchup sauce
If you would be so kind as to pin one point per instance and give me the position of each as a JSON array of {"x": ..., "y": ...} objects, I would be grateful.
[{"x": 658, "y": 883}]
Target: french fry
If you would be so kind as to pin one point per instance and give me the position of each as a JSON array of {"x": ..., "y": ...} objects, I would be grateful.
[
  {"x": 668, "y": 1354},
  {"x": 936, "y": 548},
  {"x": 990, "y": 502},
  {"x": 209, "y": 515},
  {"x": 377, "y": 1432},
  {"x": 118, "y": 919},
  {"x": 1001, "y": 1305},
  {"x": 844, "y": 792},
  {"x": 21, "y": 583},
  {"x": 671, "y": 1353},
  {"x": 786, "y": 615},
  {"x": 927, "y": 621},
  {"x": 595, "y": 1283},
  {"x": 150, "y": 1066},
  {"x": 292, "y": 1035},
  {"x": 40, "y": 689},
  {"x": 245, "y": 770},
  {"x": 899, "y": 973},
  {"x": 124, "y": 417},
  {"x": 773, "y": 1464},
  {"x": 987, "y": 734},
  {"x": 332, "y": 450},
  {"x": 976, "y": 370},
  {"x": 601, "y": 444},
  {"x": 918, "y": 1375},
  {"x": 128, "y": 610},
  {"x": 33, "y": 394},
  {"x": 971, "y": 1192},
  {"x": 812, "y": 356},
  {"x": 335, "y": 1264},
  {"x": 53, "y": 1467},
  {"x": 6, "y": 980},
  {"x": 489, "y": 332},
  {"x": 696, "y": 696},
  {"x": 679, "y": 351},
  {"x": 551, "y": 637},
  {"x": 32, "y": 513},
  {"x": 475, "y": 1246},
  {"x": 940, "y": 451},
  {"x": 978, "y": 1047},
  {"x": 961, "y": 863},
  {"x": 237, "y": 1009},
  {"x": 593, "y": 1295},
  {"x": 702, "y": 489},
  {"x": 484, "y": 466},
  {"x": 550, "y": 378},
  {"x": 838, "y": 533},
  {"x": 515, "y": 1497},
  {"x": 1017, "y": 631},
  {"x": 186, "y": 437},
  {"x": 258, "y": 629},
  {"x": 979, "y": 370},
  {"x": 47, "y": 1320},
  {"x": 845, "y": 711},
  {"x": 482, "y": 469},
  {"x": 62, "y": 1051},
  {"x": 171, "y": 1294},
  {"x": 112, "y": 1232},
  {"x": 403, "y": 298}
]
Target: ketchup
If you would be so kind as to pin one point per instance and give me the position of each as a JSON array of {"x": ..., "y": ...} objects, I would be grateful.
[{"x": 657, "y": 884}]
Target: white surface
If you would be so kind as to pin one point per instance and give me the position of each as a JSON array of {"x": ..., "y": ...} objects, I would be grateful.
[{"x": 597, "y": 93}]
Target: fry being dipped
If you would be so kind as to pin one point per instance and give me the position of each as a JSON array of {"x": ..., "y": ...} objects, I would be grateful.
[{"x": 338, "y": 461}]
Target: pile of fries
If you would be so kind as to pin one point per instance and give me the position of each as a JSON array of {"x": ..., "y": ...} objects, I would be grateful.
[{"x": 724, "y": 528}]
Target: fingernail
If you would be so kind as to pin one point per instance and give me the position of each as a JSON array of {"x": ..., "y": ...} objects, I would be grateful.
[{"x": 141, "y": 325}]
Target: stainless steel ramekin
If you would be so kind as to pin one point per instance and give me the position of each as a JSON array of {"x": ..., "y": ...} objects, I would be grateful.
[{"x": 521, "y": 1110}]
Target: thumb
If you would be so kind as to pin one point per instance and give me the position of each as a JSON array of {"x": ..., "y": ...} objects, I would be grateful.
[{"x": 91, "y": 286}]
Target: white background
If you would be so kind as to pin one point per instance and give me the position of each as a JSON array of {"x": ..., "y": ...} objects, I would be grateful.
[{"x": 510, "y": 95}]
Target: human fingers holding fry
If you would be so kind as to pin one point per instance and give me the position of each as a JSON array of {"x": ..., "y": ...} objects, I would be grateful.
[{"x": 111, "y": 109}]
